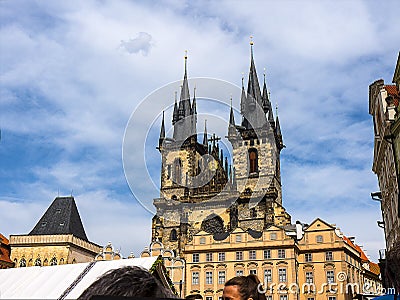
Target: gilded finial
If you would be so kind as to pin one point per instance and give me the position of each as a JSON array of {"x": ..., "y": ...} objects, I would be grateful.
[
  {"x": 276, "y": 108},
  {"x": 251, "y": 40},
  {"x": 186, "y": 54},
  {"x": 231, "y": 100}
]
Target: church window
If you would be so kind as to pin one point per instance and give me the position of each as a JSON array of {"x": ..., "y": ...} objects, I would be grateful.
[
  {"x": 177, "y": 171},
  {"x": 22, "y": 262},
  {"x": 168, "y": 171},
  {"x": 209, "y": 277},
  {"x": 195, "y": 278},
  {"x": 173, "y": 236},
  {"x": 221, "y": 277},
  {"x": 53, "y": 261},
  {"x": 38, "y": 262},
  {"x": 221, "y": 256},
  {"x": 209, "y": 256},
  {"x": 308, "y": 257},
  {"x": 253, "y": 160}
]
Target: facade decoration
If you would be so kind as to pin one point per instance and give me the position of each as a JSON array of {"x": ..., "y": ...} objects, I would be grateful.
[{"x": 5, "y": 250}]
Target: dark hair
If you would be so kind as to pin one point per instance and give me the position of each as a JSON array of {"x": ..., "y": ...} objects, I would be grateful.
[
  {"x": 128, "y": 281},
  {"x": 247, "y": 286}
]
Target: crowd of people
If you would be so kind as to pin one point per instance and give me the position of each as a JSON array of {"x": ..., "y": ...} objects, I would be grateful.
[{"x": 133, "y": 282}]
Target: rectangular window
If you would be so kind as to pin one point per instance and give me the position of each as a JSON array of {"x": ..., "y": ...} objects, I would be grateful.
[
  {"x": 221, "y": 277},
  {"x": 208, "y": 297},
  {"x": 319, "y": 239},
  {"x": 238, "y": 238},
  {"x": 330, "y": 276},
  {"x": 239, "y": 272},
  {"x": 195, "y": 278},
  {"x": 209, "y": 277},
  {"x": 329, "y": 255},
  {"x": 267, "y": 276},
  {"x": 309, "y": 277},
  {"x": 253, "y": 272},
  {"x": 332, "y": 298},
  {"x": 196, "y": 257},
  {"x": 273, "y": 236},
  {"x": 308, "y": 257},
  {"x": 283, "y": 297},
  {"x": 267, "y": 254},
  {"x": 239, "y": 255},
  {"x": 281, "y": 253},
  {"x": 209, "y": 256},
  {"x": 252, "y": 254},
  {"x": 202, "y": 240},
  {"x": 221, "y": 256},
  {"x": 269, "y": 297},
  {"x": 310, "y": 298},
  {"x": 282, "y": 275}
]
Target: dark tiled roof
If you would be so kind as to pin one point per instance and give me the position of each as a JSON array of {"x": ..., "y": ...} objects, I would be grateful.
[
  {"x": 254, "y": 233},
  {"x": 220, "y": 236},
  {"x": 62, "y": 217}
]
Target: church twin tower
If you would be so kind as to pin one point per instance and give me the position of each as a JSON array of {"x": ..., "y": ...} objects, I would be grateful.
[{"x": 201, "y": 191}]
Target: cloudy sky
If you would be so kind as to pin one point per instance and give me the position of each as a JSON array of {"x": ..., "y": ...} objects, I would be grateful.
[{"x": 73, "y": 72}]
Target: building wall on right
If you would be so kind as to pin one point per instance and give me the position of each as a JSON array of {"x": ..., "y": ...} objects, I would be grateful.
[{"x": 383, "y": 106}]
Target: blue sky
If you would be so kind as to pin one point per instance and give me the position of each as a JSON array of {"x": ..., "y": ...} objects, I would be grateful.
[{"x": 73, "y": 72}]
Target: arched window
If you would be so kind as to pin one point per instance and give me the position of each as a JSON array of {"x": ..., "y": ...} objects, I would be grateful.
[
  {"x": 22, "y": 262},
  {"x": 253, "y": 160},
  {"x": 61, "y": 261},
  {"x": 38, "y": 262},
  {"x": 45, "y": 262},
  {"x": 53, "y": 261},
  {"x": 177, "y": 171},
  {"x": 173, "y": 236}
]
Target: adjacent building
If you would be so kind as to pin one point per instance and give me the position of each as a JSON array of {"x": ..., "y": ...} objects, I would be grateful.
[
  {"x": 58, "y": 238},
  {"x": 222, "y": 216},
  {"x": 5, "y": 250},
  {"x": 383, "y": 106}
]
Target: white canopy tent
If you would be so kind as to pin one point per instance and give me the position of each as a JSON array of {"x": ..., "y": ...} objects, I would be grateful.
[{"x": 64, "y": 281}]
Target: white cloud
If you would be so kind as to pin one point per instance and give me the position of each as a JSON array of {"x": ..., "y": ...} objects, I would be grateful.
[{"x": 140, "y": 44}]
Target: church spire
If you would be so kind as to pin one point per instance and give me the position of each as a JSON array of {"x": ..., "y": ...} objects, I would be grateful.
[
  {"x": 162, "y": 132},
  {"x": 185, "y": 96},
  {"x": 264, "y": 97},
  {"x": 232, "y": 126},
  {"x": 205, "y": 138},
  {"x": 175, "y": 115},
  {"x": 253, "y": 86},
  {"x": 194, "y": 113}
]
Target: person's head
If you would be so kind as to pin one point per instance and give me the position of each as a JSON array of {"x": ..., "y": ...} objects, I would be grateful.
[
  {"x": 128, "y": 281},
  {"x": 242, "y": 288}
]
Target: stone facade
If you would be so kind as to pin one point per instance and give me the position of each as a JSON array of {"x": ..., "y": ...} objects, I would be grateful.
[{"x": 5, "y": 250}]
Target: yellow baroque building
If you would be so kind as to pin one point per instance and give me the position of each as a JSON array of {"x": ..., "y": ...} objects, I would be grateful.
[
  {"x": 58, "y": 238},
  {"x": 222, "y": 216}
]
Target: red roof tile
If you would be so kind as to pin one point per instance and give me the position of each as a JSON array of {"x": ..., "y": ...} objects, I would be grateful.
[{"x": 392, "y": 90}]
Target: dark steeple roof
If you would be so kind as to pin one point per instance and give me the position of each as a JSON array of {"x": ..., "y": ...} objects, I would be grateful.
[
  {"x": 184, "y": 116},
  {"x": 252, "y": 104},
  {"x": 162, "y": 132},
  {"x": 62, "y": 217}
]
